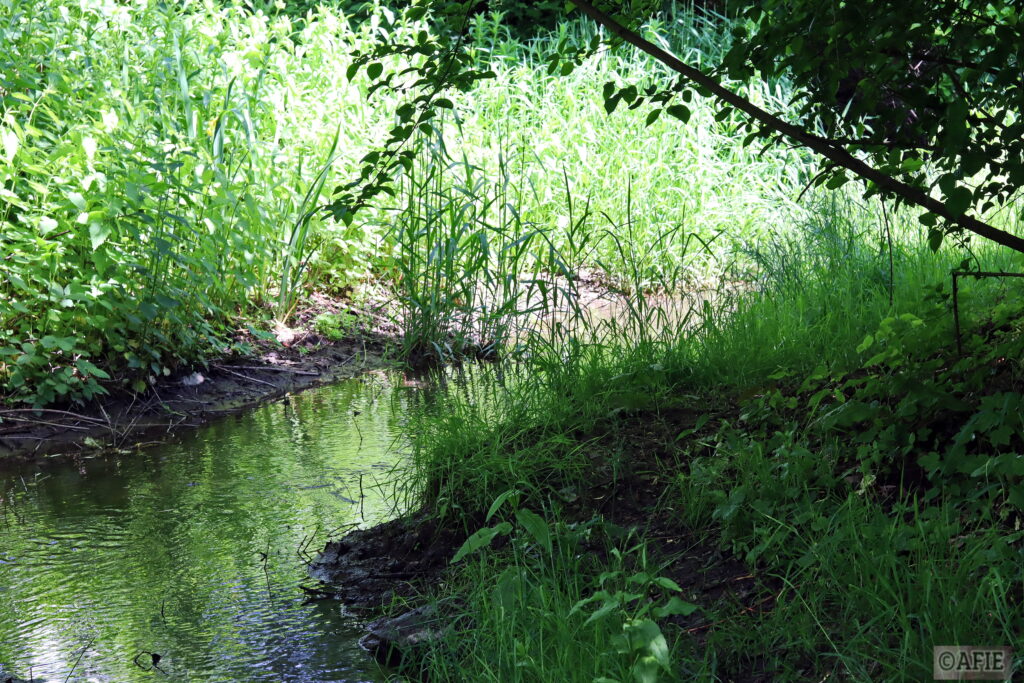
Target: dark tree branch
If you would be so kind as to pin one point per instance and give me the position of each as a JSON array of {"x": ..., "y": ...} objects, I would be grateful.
[{"x": 826, "y": 148}]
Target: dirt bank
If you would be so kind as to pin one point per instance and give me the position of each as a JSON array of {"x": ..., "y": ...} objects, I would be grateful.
[
  {"x": 284, "y": 360},
  {"x": 395, "y": 571},
  {"x": 187, "y": 399}
]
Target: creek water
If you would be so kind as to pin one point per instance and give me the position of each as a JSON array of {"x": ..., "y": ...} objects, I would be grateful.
[{"x": 193, "y": 550}]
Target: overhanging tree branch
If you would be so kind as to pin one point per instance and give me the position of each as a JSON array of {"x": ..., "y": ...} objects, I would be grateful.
[{"x": 826, "y": 148}]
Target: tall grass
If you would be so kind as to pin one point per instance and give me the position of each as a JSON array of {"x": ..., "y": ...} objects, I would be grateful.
[
  {"x": 464, "y": 261},
  {"x": 866, "y": 581},
  {"x": 141, "y": 201},
  {"x": 821, "y": 288},
  {"x": 679, "y": 179},
  {"x": 161, "y": 163}
]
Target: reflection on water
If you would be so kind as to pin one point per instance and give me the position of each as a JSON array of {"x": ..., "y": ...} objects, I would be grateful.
[{"x": 191, "y": 550}]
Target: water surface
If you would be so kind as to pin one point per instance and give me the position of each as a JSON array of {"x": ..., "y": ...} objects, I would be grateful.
[{"x": 195, "y": 550}]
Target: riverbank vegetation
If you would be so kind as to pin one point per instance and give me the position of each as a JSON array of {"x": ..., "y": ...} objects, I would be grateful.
[
  {"x": 865, "y": 477},
  {"x": 771, "y": 461},
  {"x": 163, "y": 167}
]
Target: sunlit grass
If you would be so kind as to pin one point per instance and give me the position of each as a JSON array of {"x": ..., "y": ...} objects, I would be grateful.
[
  {"x": 195, "y": 140},
  {"x": 865, "y": 582}
]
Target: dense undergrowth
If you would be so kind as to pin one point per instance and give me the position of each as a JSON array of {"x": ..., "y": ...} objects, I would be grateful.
[
  {"x": 821, "y": 429},
  {"x": 162, "y": 164}
]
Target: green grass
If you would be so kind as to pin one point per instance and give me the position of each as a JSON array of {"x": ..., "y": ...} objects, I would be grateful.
[
  {"x": 159, "y": 169},
  {"x": 870, "y": 549},
  {"x": 161, "y": 162}
]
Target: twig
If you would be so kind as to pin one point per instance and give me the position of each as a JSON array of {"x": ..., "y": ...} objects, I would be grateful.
[
  {"x": 49, "y": 424},
  {"x": 154, "y": 658},
  {"x": 84, "y": 418},
  {"x": 346, "y": 527},
  {"x": 745, "y": 610},
  {"x": 301, "y": 552},
  {"x": 246, "y": 377},
  {"x": 355, "y": 423},
  {"x": 80, "y": 655},
  {"x": 270, "y": 368},
  {"x": 264, "y": 557},
  {"x": 114, "y": 437},
  {"x": 956, "y": 306},
  {"x": 888, "y": 235},
  {"x": 361, "y": 498}
]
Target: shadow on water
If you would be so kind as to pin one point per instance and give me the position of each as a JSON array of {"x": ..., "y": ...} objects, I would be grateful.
[{"x": 196, "y": 550}]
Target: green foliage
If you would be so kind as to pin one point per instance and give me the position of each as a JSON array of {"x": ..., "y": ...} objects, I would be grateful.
[
  {"x": 843, "y": 449},
  {"x": 184, "y": 199},
  {"x": 528, "y": 19},
  {"x": 625, "y": 599},
  {"x": 116, "y": 222},
  {"x": 150, "y": 188},
  {"x": 929, "y": 109},
  {"x": 334, "y": 326},
  {"x": 588, "y": 621},
  {"x": 922, "y": 88}
]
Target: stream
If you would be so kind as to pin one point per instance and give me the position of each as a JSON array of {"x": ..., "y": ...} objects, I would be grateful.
[{"x": 195, "y": 550}]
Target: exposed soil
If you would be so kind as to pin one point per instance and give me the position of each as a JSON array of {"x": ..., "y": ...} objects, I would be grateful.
[
  {"x": 371, "y": 569},
  {"x": 190, "y": 397},
  {"x": 299, "y": 358},
  {"x": 396, "y": 567}
]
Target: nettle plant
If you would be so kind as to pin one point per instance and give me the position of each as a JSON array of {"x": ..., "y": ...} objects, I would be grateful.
[{"x": 124, "y": 241}]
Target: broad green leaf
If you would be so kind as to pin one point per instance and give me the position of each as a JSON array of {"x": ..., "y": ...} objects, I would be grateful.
[
  {"x": 668, "y": 584},
  {"x": 537, "y": 527},
  {"x": 87, "y": 368},
  {"x": 911, "y": 165},
  {"x": 645, "y": 634},
  {"x": 498, "y": 502},
  {"x": 90, "y": 147},
  {"x": 479, "y": 539},
  {"x": 98, "y": 234},
  {"x": 510, "y": 587},
  {"x": 610, "y": 604},
  {"x": 836, "y": 181},
  {"x": 646, "y": 670},
  {"x": 110, "y": 119},
  {"x": 680, "y": 111},
  {"x": 47, "y": 225},
  {"x": 959, "y": 200},
  {"x": 674, "y": 607},
  {"x": 10, "y": 144}
]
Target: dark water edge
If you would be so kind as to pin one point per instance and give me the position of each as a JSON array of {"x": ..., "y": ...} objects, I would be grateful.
[{"x": 196, "y": 550}]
